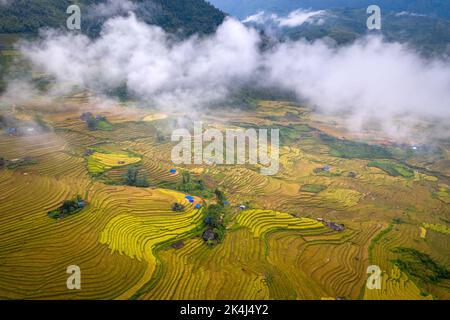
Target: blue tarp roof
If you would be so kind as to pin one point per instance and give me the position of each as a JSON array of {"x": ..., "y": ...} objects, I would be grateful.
[
  {"x": 173, "y": 171},
  {"x": 198, "y": 206}
]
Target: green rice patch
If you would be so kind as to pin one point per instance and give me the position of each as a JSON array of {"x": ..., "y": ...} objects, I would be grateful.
[
  {"x": 101, "y": 161},
  {"x": 312, "y": 188}
]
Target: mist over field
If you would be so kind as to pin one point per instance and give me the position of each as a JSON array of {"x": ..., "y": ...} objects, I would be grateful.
[{"x": 369, "y": 79}]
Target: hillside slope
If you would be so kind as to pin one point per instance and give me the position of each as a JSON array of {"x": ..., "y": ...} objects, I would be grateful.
[
  {"x": 423, "y": 24},
  {"x": 189, "y": 16}
]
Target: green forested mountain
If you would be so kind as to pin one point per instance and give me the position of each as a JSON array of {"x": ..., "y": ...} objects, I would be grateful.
[
  {"x": 189, "y": 16},
  {"x": 243, "y": 8},
  {"x": 24, "y": 18},
  {"x": 424, "y": 24},
  {"x": 430, "y": 35}
]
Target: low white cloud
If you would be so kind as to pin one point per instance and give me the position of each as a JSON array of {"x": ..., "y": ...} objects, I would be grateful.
[
  {"x": 260, "y": 18},
  {"x": 370, "y": 80},
  {"x": 149, "y": 62},
  {"x": 299, "y": 17},
  {"x": 294, "y": 19}
]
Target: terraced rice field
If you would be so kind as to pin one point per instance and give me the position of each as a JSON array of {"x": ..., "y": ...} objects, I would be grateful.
[
  {"x": 234, "y": 270},
  {"x": 437, "y": 227},
  {"x": 124, "y": 240},
  {"x": 87, "y": 239},
  {"x": 395, "y": 285},
  {"x": 261, "y": 222}
]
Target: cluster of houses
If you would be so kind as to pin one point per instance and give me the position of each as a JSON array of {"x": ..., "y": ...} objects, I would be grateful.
[
  {"x": 178, "y": 244},
  {"x": 12, "y": 131},
  {"x": 352, "y": 174},
  {"x": 81, "y": 203},
  {"x": 15, "y": 127},
  {"x": 332, "y": 225},
  {"x": 85, "y": 116},
  {"x": 327, "y": 168},
  {"x": 91, "y": 120}
]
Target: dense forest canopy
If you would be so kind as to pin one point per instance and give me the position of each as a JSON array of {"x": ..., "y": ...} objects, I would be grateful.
[
  {"x": 187, "y": 16},
  {"x": 423, "y": 23}
]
